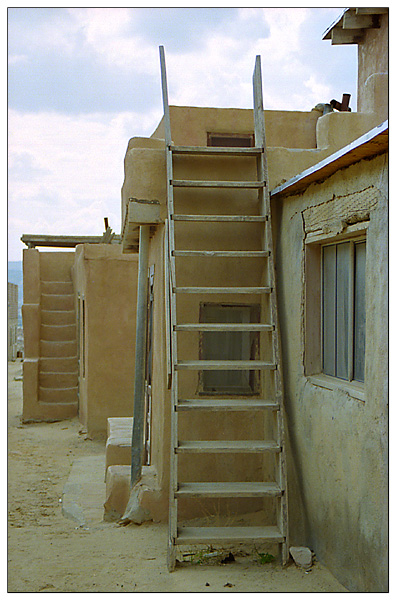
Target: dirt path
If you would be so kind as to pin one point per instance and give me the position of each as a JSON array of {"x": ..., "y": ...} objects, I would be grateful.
[{"x": 50, "y": 553}]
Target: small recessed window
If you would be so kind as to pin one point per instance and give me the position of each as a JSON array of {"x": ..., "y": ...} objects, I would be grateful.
[
  {"x": 229, "y": 345},
  {"x": 343, "y": 310},
  {"x": 231, "y": 140}
]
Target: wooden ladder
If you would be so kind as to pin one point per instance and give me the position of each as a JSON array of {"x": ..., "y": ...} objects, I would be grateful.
[{"x": 267, "y": 401}]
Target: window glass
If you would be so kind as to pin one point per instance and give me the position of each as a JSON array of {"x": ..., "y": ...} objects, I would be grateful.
[
  {"x": 360, "y": 312},
  {"x": 343, "y": 310}
]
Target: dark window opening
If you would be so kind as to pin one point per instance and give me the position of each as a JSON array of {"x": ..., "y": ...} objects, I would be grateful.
[
  {"x": 229, "y": 345},
  {"x": 231, "y": 140}
]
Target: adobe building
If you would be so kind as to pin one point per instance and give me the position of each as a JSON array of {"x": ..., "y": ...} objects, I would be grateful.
[{"x": 327, "y": 176}]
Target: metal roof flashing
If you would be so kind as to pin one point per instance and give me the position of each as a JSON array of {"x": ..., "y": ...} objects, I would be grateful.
[{"x": 370, "y": 144}]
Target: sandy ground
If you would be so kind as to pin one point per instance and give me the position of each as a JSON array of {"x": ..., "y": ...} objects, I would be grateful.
[{"x": 48, "y": 552}]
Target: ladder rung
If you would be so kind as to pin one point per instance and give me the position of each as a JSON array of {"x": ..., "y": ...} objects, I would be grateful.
[
  {"x": 222, "y": 218},
  {"x": 223, "y": 327},
  {"x": 228, "y": 404},
  {"x": 223, "y": 253},
  {"x": 224, "y": 365},
  {"x": 222, "y": 290},
  {"x": 213, "y": 535},
  {"x": 239, "y": 489},
  {"x": 217, "y": 184},
  {"x": 227, "y": 446},
  {"x": 213, "y": 150}
]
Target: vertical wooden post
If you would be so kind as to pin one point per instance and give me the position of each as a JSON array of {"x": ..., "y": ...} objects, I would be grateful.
[{"x": 140, "y": 357}]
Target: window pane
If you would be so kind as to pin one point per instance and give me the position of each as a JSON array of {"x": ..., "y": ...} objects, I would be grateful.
[
  {"x": 329, "y": 303},
  {"x": 360, "y": 311},
  {"x": 342, "y": 303}
]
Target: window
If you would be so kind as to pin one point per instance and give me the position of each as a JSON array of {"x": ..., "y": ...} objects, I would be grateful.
[
  {"x": 229, "y": 345},
  {"x": 343, "y": 310},
  {"x": 231, "y": 140}
]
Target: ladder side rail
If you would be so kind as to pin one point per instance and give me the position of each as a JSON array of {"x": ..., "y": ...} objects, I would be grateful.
[
  {"x": 278, "y": 379},
  {"x": 165, "y": 101},
  {"x": 168, "y": 317}
]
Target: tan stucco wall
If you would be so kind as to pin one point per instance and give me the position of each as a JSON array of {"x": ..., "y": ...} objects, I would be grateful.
[
  {"x": 373, "y": 59},
  {"x": 295, "y": 140},
  {"x": 337, "y": 450},
  {"x": 39, "y": 267},
  {"x": 145, "y": 178},
  {"x": 107, "y": 280}
]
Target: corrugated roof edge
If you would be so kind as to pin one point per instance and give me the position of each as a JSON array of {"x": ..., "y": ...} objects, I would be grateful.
[{"x": 363, "y": 147}]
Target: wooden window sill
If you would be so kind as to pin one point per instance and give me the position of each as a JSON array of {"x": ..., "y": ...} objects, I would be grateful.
[{"x": 355, "y": 389}]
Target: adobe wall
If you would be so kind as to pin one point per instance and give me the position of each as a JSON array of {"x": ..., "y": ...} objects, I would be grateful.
[
  {"x": 295, "y": 140},
  {"x": 107, "y": 281},
  {"x": 145, "y": 178},
  {"x": 39, "y": 268},
  {"x": 373, "y": 68},
  {"x": 337, "y": 446}
]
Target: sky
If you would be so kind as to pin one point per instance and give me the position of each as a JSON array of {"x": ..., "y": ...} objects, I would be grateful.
[{"x": 83, "y": 81}]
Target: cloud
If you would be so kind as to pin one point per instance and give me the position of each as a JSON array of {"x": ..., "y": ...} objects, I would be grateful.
[{"x": 66, "y": 171}]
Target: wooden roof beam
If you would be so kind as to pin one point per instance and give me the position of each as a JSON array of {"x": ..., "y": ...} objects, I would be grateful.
[
  {"x": 346, "y": 36},
  {"x": 371, "y": 11},
  {"x": 358, "y": 21}
]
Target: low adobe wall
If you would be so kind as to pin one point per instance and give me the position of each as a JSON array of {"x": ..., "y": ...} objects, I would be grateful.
[{"x": 106, "y": 287}]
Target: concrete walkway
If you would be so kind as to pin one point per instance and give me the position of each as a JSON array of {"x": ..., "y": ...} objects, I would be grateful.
[{"x": 85, "y": 491}]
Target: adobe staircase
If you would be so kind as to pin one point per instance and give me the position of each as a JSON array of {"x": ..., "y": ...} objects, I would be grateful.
[
  {"x": 215, "y": 280},
  {"x": 58, "y": 364}
]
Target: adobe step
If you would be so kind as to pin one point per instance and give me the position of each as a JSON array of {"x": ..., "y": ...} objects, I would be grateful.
[
  {"x": 58, "y": 317},
  {"x": 58, "y": 395},
  {"x": 58, "y": 380},
  {"x": 58, "y": 365},
  {"x": 56, "y": 287},
  {"x": 57, "y": 349},
  {"x": 58, "y": 333},
  {"x": 57, "y": 301}
]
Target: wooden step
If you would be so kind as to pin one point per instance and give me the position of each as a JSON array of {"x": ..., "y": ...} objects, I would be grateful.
[
  {"x": 233, "y": 489},
  {"x": 228, "y": 404},
  {"x": 224, "y": 365},
  {"x": 222, "y": 218},
  {"x": 189, "y": 183},
  {"x": 222, "y": 290},
  {"x": 223, "y": 327},
  {"x": 218, "y": 535},
  {"x": 229, "y": 446},
  {"x": 215, "y": 150},
  {"x": 222, "y": 253}
]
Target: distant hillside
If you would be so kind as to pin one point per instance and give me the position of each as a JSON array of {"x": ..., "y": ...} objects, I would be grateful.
[{"x": 15, "y": 275}]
